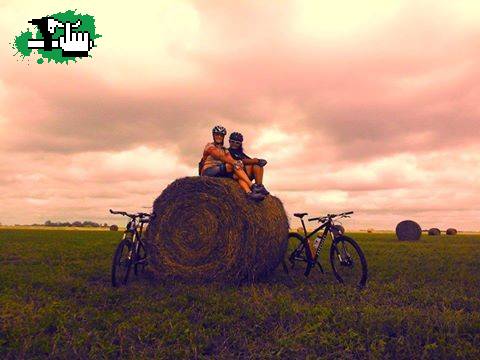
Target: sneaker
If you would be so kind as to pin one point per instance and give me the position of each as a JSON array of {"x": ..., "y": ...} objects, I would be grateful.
[
  {"x": 255, "y": 196},
  {"x": 259, "y": 188}
]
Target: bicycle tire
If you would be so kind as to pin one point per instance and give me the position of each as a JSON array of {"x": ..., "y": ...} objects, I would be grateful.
[
  {"x": 300, "y": 250},
  {"x": 116, "y": 264},
  {"x": 363, "y": 260},
  {"x": 297, "y": 250}
]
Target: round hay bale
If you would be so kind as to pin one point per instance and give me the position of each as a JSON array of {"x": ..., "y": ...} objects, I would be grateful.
[
  {"x": 451, "y": 231},
  {"x": 114, "y": 227},
  {"x": 408, "y": 230},
  {"x": 205, "y": 229},
  {"x": 369, "y": 231},
  {"x": 434, "y": 232}
]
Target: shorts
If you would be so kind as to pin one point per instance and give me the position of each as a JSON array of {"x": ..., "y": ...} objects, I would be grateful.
[{"x": 217, "y": 171}]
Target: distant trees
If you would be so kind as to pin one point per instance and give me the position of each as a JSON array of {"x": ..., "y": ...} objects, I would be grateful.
[{"x": 77, "y": 223}]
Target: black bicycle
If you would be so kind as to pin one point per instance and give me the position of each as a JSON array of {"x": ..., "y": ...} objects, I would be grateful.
[
  {"x": 131, "y": 250},
  {"x": 346, "y": 257}
]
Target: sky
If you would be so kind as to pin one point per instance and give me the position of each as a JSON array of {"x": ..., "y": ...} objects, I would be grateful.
[{"x": 371, "y": 107}]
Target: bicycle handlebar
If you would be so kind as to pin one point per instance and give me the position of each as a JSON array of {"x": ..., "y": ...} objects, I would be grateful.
[
  {"x": 133, "y": 216},
  {"x": 330, "y": 216}
]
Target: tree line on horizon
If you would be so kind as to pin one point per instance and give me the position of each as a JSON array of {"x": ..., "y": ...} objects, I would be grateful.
[{"x": 86, "y": 223}]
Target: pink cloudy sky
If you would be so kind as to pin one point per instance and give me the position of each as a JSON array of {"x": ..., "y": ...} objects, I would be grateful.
[{"x": 369, "y": 106}]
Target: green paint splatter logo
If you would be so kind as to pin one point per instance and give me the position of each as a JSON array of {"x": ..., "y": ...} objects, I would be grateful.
[{"x": 61, "y": 37}]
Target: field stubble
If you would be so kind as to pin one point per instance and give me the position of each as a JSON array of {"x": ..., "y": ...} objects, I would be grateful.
[{"x": 422, "y": 300}]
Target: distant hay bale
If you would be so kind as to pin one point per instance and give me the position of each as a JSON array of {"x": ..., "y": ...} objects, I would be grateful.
[
  {"x": 408, "y": 230},
  {"x": 113, "y": 228},
  {"x": 369, "y": 230},
  {"x": 434, "y": 232},
  {"x": 205, "y": 229},
  {"x": 451, "y": 231}
]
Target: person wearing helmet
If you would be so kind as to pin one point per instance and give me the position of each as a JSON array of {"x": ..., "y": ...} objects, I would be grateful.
[
  {"x": 217, "y": 161},
  {"x": 253, "y": 167}
]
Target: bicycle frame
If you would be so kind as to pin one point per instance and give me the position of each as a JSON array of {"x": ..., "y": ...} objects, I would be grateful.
[
  {"x": 132, "y": 237},
  {"x": 327, "y": 229},
  {"x": 132, "y": 228}
]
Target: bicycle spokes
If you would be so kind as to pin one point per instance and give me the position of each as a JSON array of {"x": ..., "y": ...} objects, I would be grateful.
[
  {"x": 347, "y": 263},
  {"x": 343, "y": 255}
]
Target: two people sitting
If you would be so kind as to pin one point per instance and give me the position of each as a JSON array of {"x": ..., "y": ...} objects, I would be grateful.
[{"x": 233, "y": 163}]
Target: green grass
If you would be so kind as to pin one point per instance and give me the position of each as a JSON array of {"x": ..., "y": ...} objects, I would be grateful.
[{"x": 422, "y": 301}]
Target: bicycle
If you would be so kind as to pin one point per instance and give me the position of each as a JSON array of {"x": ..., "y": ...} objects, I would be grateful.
[
  {"x": 131, "y": 250},
  {"x": 341, "y": 258}
]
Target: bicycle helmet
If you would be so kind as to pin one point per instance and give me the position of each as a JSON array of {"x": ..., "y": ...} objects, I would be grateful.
[
  {"x": 219, "y": 129},
  {"x": 236, "y": 136}
]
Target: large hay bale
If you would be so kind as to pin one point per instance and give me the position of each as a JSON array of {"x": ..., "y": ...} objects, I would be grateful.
[
  {"x": 408, "y": 230},
  {"x": 205, "y": 229},
  {"x": 451, "y": 231},
  {"x": 113, "y": 227},
  {"x": 434, "y": 232}
]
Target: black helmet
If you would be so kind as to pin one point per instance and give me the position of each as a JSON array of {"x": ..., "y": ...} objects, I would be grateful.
[
  {"x": 236, "y": 136},
  {"x": 219, "y": 129}
]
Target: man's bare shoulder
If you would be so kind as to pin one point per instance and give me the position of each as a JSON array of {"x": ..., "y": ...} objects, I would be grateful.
[{"x": 209, "y": 146}]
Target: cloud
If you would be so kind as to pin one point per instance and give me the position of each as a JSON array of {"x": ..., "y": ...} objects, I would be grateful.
[{"x": 373, "y": 109}]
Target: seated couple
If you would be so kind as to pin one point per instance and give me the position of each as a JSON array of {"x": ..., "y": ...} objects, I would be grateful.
[{"x": 233, "y": 163}]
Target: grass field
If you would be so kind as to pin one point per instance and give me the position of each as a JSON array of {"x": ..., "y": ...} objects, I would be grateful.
[{"x": 422, "y": 301}]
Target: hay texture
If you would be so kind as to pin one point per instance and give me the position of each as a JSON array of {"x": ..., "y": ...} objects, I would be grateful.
[
  {"x": 408, "y": 230},
  {"x": 205, "y": 229},
  {"x": 434, "y": 232},
  {"x": 451, "y": 231}
]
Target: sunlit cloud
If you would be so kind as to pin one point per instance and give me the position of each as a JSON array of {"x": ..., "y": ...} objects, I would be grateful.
[{"x": 368, "y": 106}]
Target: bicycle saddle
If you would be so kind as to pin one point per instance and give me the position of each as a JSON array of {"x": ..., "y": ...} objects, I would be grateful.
[{"x": 300, "y": 215}]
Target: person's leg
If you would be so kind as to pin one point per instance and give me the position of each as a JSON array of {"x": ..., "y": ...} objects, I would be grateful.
[
  {"x": 249, "y": 171},
  {"x": 243, "y": 176},
  {"x": 244, "y": 185},
  {"x": 258, "y": 174},
  {"x": 240, "y": 175},
  {"x": 258, "y": 186}
]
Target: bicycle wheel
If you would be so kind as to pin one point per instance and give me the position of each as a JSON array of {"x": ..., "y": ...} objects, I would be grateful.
[
  {"x": 141, "y": 259},
  {"x": 121, "y": 263},
  {"x": 295, "y": 250},
  {"x": 348, "y": 261}
]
